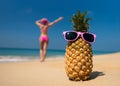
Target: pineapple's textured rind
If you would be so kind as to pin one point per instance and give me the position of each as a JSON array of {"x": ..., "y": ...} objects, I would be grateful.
[{"x": 78, "y": 59}]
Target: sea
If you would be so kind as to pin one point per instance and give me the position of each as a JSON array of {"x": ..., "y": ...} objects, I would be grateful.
[{"x": 22, "y": 54}]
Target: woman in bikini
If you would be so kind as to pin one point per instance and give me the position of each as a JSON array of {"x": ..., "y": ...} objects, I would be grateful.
[{"x": 44, "y": 24}]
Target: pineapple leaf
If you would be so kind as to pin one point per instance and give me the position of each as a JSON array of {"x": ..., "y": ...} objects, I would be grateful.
[
  {"x": 80, "y": 22},
  {"x": 86, "y": 21}
]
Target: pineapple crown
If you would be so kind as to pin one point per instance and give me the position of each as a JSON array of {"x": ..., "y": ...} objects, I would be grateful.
[{"x": 80, "y": 22}]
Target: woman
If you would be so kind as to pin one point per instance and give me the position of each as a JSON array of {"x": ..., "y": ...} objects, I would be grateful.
[{"x": 44, "y": 24}]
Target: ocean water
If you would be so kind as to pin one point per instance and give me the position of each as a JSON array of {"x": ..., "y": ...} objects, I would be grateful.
[{"x": 18, "y": 54}]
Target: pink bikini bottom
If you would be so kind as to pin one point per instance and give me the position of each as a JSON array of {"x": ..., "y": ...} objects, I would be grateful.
[{"x": 43, "y": 38}]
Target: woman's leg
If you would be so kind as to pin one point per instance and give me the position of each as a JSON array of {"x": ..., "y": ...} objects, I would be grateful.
[
  {"x": 41, "y": 51},
  {"x": 45, "y": 50}
]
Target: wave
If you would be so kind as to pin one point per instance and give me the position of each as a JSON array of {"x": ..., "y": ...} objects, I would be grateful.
[
  {"x": 16, "y": 58},
  {"x": 18, "y": 55},
  {"x": 4, "y": 59}
]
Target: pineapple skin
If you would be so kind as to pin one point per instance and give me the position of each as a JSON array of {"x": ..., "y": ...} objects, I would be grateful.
[{"x": 78, "y": 60}]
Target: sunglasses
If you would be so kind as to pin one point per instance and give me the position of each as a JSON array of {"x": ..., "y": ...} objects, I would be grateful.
[{"x": 73, "y": 35}]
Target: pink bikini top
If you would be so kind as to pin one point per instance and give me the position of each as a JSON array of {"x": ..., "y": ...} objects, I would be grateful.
[{"x": 44, "y": 30}]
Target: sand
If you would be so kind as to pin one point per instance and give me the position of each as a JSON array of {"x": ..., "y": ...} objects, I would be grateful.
[{"x": 106, "y": 72}]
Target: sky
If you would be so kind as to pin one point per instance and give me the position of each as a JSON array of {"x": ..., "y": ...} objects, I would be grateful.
[{"x": 18, "y": 28}]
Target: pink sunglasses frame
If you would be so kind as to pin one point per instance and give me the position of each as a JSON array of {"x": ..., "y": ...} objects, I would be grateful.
[{"x": 79, "y": 34}]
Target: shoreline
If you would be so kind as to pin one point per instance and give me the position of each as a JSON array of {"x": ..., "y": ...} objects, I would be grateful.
[
  {"x": 35, "y": 52},
  {"x": 12, "y": 58}
]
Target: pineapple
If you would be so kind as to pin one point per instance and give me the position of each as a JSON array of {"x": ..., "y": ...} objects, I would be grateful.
[{"x": 78, "y": 55}]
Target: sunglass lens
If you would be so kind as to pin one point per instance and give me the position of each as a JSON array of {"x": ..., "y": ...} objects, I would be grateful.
[
  {"x": 88, "y": 37},
  {"x": 71, "y": 35}
]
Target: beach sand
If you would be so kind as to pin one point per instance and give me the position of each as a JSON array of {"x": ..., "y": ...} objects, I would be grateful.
[{"x": 106, "y": 72}]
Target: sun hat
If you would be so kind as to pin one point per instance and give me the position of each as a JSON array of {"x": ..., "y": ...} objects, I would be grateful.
[{"x": 44, "y": 21}]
